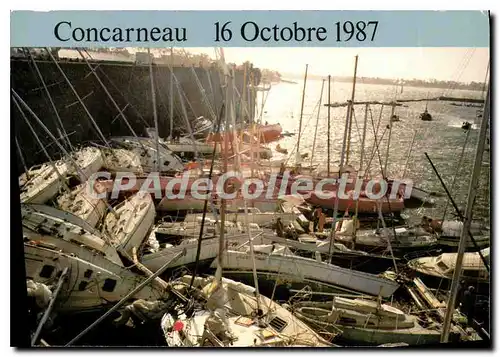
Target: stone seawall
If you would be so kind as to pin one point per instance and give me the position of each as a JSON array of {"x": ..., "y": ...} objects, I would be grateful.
[{"x": 130, "y": 87}]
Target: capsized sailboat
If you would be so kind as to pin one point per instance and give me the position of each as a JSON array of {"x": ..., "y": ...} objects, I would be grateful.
[
  {"x": 367, "y": 321},
  {"x": 146, "y": 150},
  {"x": 449, "y": 233},
  {"x": 402, "y": 238},
  {"x": 42, "y": 182},
  {"x": 130, "y": 221},
  {"x": 439, "y": 270},
  {"x": 121, "y": 160},
  {"x": 278, "y": 261},
  {"x": 83, "y": 202},
  {"x": 233, "y": 316},
  {"x": 92, "y": 283}
]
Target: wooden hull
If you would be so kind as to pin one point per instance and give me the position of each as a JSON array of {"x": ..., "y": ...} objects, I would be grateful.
[
  {"x": 377, "y": 337},
  {"x": 180, "y": 148}
]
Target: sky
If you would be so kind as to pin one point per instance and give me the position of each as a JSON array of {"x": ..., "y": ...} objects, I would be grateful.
[{"x": 452, "y": 64}]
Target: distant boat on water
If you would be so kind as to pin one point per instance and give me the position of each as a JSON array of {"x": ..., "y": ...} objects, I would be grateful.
[{"x": 288, "y": 81}]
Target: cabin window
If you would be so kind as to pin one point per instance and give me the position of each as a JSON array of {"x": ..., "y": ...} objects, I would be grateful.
[
  {"x": 442, "y": 265},
  {"x": 88, "y": 273},
  {"x": 278, "y": 324},
  {"x": 472, "y": 273},
  {"x": 166, "y": 163},
  {"x": 347, "y": 320},
  {"x": 109, "y": 285},
  {"x": 207, "y": 343},
  {"x": 83, "y": 285},
  {"x": 47, "y": 271}
]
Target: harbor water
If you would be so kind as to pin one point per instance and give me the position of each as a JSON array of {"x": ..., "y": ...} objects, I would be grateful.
[{"x": 442, "y": 139}]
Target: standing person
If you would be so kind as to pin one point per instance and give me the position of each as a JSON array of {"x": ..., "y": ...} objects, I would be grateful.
[
  {"x": 321, "y": 221},
  {"x": 280, "y": 229},
  {"x": 468, "y": 304},
  {"x": 316, "y": 214},
  {"x": 460, "y": 293}
]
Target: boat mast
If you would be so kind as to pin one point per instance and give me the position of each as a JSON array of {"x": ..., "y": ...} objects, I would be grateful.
[
  {"x": 252, "y": 124},
  {"x": 227, "y": 113},
  {"x": 352, "y": 109},
  {"x": 185, "y": 114},
  {"x": 50, "y": 100},
  {"x": 393, "y": 105},
  {"x": 120, "y": 111},
  {"x": 78, "y": 97},
  {"x": 237, "y": 168},
  {"x": 468, "y": 217},
  {"x": 341, "y": 166},
  {"x": 153, "y": 97},
  {"x": 328, "y": 129},
  {"x": 317, "y": 121},
  {"x": 171, "y": 92},
  {"x": 21, "y": 156},
  {"x": 297, "y": 154},
  {"x": 54, "y": 167},
  {"x": 360, "y": 173},
  {"x": 457, "y": 172},
  {"x": 409, "y": 153}
]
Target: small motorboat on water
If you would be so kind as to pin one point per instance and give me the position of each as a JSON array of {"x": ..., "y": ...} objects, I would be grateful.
[
  {"x": 269, "y": 132},
  {"x": 466, "y": 125},
  {"x": 425, "y": 116},
  {"x": 281, "y": 150}
]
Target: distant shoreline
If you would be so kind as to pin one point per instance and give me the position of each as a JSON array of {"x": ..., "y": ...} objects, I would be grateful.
[
  {"x": 390, "y": 82},
  {"x": 288, "y": 81},
  {"x": 381, "y": 83}
]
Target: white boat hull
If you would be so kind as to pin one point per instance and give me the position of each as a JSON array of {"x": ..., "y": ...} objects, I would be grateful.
[
  {"x": 135, "y": 218},
  {"x": 44, "y": 183},
  {"x": 91, "y": 284},
  {"x": 300, "y": 269},
  {"x": 89, "y": 160},
  {"x": 80, "y": 203},
  {"x": 262, "y": 219},
  {"x": 209, "y": 251}
]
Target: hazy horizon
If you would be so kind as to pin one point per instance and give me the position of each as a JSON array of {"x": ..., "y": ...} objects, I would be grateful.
[
  {"x": 424, "y": 63},
  {"x": 446, "y": 64}
]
